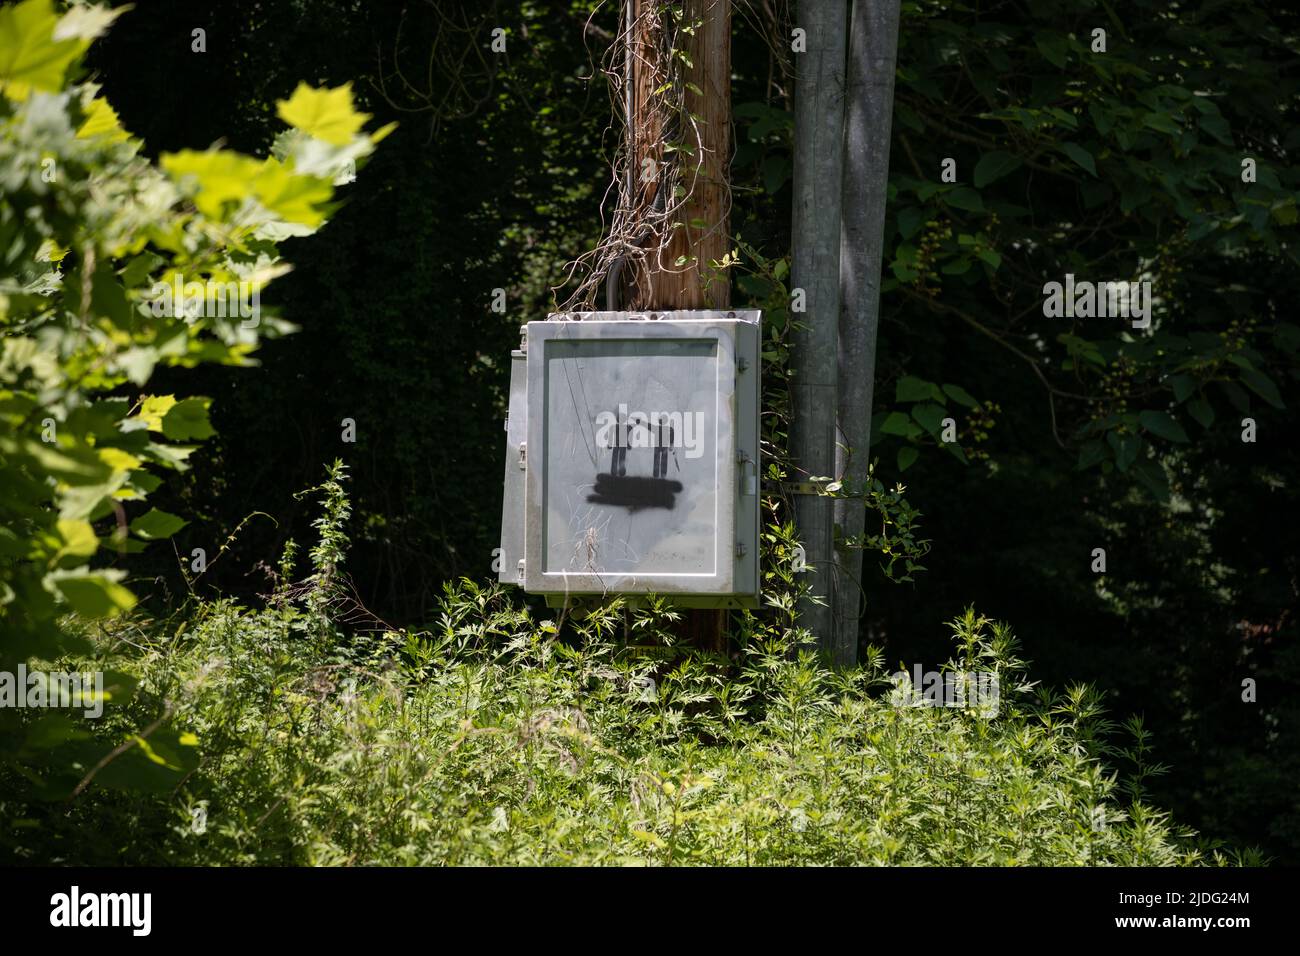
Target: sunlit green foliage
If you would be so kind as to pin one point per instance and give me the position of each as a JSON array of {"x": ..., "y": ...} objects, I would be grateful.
[
  {"x": 115, "y": 266},
  {"x": 491, "y": 739}
]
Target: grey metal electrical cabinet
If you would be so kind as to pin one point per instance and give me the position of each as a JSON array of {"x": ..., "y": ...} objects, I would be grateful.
[{"x": 632, "y": 459}]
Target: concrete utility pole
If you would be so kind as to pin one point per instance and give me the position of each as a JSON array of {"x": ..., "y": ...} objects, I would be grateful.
[
  {"x": 815, "y": 269},
  {"x": 873, "y": 49}
]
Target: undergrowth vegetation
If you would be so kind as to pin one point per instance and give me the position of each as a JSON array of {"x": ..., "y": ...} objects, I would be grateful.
[{"x": 496, "y": 737}]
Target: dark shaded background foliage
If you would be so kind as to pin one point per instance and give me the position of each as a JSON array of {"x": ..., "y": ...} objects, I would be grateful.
[
  {"x": 393, "y": 301},
  {"x": 503, "y": 185}
]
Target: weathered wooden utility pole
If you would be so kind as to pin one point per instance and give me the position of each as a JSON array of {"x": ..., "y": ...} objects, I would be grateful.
[
  {"x": 815, "y": 274},
  {"x": 699, "y": 234},
  {"x": 873, "y": 49},
  {"x": 705, "y": 128}
]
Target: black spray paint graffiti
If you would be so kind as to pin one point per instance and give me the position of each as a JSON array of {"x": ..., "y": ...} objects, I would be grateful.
[{"x": 619, "y": 489}]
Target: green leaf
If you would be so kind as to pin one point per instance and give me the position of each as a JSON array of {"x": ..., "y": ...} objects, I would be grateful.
[
  {"x": 907, "y": 455},
  {"x": 78, "y": 540},
  {"x": 647, "y": 837},
  {"x": 912, "y": 389},
  {"x": 87, "y": 22},
  {"x": 993, "y": 166},
  {"x": 78, "y": 465},
  {"x": 1126, "y": 448},
  {"x": 1152, "y": 477},
  {"x": 930, "y": 416},
  {"x": 219, "y": 176},
  {"x": 222, "y": 179},
  {"x": 1163, "y": 424},
  {"x": 1092, "y": 453},
  {"x": 1161, "y": 122},
  {"x": 52, "y": 730},
  {"x": 910, "y": 220},
  {"x": 138, "y": 363},
  {"x": 1101, "y": 117},
  {"x": 1183, "y": 386},
  {"x": 86, "y": 502},
  {"x": 1082, "y": 348},
  {"x": 1217, "y": 126},
  {"x": 896, "y": 423},
  {"x": 292, "y": 196},
  {"x": 154, "y": 764},
  {"x": 961, "y": 396},
  {"x": 30, "y": 57},
  {"x": 169, "y": 456},
  {"x": 91, "y": 595},
  {"x": 153, "y": 408},
  {"x": 966, "y": 198},
  {"x": 1236, "y": 395},
  {"x": 1201, "y": 410},
  {"x": 327, "y": 114},
  {"x": 155, "y": 524},
  {"x": 187, "y": 420},
  {"x": 1053, "y": 47},
  {"x": 1081, "y": 156},
  {"x": 1263, "y": 386},
  {"x": 102, "y": 120}
]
